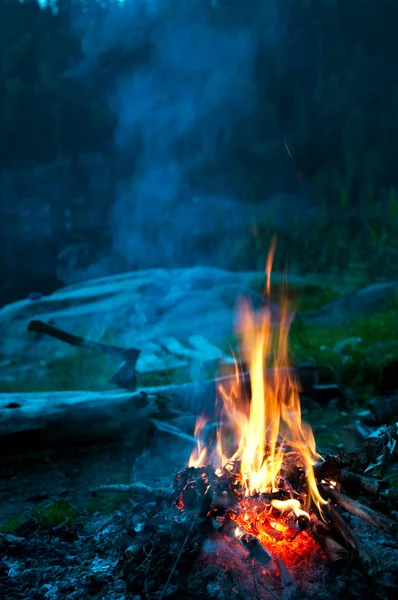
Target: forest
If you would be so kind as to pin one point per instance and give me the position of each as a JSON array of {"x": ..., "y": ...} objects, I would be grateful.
[{"x": 320, "y": 121}]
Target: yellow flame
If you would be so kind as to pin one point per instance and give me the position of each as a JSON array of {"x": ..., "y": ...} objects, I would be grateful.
[
  {"x": 292, "y": 505},
  {"x": 255, "y": 432},
  {"x": 199, "y": 454}
]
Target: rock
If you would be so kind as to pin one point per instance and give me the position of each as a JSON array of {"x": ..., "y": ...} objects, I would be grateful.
[
  {"x": 367, "y": 301},
  {"x": 135, "y": 308}
]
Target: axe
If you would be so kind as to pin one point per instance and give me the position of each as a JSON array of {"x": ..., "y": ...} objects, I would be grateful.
[{"x": 124, "y": 376}]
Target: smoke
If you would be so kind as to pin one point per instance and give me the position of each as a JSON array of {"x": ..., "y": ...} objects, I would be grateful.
[{"x": 177, "y": 110}]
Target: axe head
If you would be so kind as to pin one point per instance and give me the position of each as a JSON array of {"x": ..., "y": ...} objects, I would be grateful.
[{"x": 125, "y": 375}]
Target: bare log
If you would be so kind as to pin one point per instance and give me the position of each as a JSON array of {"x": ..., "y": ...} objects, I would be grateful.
[
  {"x": 54, "y": 418},
  {"x": 91, "y": 417},
  {"x": 81, "y": 342},
  {"x": 362, "y": 512}
]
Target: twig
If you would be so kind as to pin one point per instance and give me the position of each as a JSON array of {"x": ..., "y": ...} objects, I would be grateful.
[
  {"x": 349, "y": 536},
  {"x": 355, "y": 483},
  {"x": 288, "y": 584},
  {"x": 266, "y": 587},
  {"x": 177, "y": 560},
  {"x": 254, "y": 580},
  {"x": 362, "y": 512},
  {"x": 198, "y": 516}
]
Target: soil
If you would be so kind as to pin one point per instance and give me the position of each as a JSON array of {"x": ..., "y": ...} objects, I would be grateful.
[{"x": 59, "y": 542}]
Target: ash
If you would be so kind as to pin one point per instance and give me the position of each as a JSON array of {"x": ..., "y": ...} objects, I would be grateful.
[{"x": 150, "y": 550}]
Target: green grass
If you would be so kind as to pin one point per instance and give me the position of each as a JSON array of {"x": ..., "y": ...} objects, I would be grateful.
[
  {"x": 12, "y": 524},
  {"x": 357, "y": 351},
  {"x": 82, "y": 370},
  {"x": 57, "y": 514}
]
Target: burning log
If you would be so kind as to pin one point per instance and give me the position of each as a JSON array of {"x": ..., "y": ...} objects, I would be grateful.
[{"x": 362, "y": 512}]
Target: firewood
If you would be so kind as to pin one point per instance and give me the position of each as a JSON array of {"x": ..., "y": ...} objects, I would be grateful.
[
  {"x": 290, "y": 588},
  {"x": 329, "y": 468},
  {"x": 367, "y": 561},
  {"x": 334, "y": 551},
  {"x": 359, "y": 484},
  {"x": 362, "y": 512}
]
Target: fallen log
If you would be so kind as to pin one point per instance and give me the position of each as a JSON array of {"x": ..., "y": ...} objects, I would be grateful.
[
  {"x": 53, "y": 418},
  {"x": 92, "y": 417},
  {"x": 359, "y": 510},
  {"x": 56, "y": 418}
]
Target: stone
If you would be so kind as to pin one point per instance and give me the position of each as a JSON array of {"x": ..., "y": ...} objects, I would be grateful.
[{"x": 137, "y": 309}]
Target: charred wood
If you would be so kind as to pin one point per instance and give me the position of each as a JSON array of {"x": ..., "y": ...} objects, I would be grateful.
[
  {"x": 362, "y": 512},
  {"x": 335, "y": 552},
  {"x": 366, "y": 560},
  {"x": 360, "y": 484},
  {"x": 252, "y": 544},
  {"x": 329, "y": 468}
]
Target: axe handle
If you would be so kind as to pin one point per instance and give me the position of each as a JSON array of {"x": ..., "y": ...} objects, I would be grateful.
[{"x": 75, "y": 340}]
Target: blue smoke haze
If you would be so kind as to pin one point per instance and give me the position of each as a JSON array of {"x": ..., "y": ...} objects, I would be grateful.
[{"x": 174, "y": 116}]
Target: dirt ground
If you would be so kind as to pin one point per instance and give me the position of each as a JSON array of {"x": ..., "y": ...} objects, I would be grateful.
[{"x": 58, "y": 541}]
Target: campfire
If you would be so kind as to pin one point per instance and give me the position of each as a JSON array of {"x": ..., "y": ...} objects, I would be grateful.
[
  {"x": 256, "y": 477},
  {"x": 258, "y": 510}
]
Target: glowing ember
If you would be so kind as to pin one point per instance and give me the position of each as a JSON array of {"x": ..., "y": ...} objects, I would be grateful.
[{"x": 262, "y": 437}]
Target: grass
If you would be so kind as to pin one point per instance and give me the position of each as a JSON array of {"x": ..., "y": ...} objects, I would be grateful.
[
  {"x": 81, "y": 370},
  {"x": 57, "y": 514},
  {"x": 12, "y": 524},
  {"x": 343, "y": 239}
]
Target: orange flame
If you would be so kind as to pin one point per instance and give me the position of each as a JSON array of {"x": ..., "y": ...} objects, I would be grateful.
[{"x": 264, "y": 433}]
